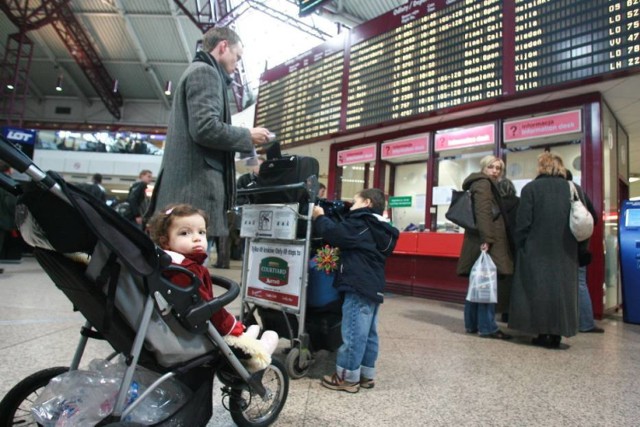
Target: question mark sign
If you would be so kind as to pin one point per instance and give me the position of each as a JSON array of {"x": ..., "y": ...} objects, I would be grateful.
[{"x": 513, "y": 128}]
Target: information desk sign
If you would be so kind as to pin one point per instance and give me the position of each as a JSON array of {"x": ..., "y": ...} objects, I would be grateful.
[
  {"x": 274, "y": 274},
  {"x": 270, "y": 221},
  {"x": 400, "y": 202}
]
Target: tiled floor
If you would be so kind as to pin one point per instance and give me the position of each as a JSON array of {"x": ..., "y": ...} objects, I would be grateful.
[{"x": 430, "y": 372}]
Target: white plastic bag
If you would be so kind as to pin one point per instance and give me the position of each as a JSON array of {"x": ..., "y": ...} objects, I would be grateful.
[
  {"x": 483, "y": 280},
  {"x": 85, "y": 397}
]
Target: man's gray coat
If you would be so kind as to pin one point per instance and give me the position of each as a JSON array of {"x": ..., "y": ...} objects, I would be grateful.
[{"x": 198, "y": 164}]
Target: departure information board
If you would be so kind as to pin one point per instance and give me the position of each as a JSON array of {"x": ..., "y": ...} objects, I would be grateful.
[
  {"x": 447, "y": 57},
  {"x": 562, "y": 40},
  {"x": 431, "y": 55},
  {"x": 305, "y": 102}
]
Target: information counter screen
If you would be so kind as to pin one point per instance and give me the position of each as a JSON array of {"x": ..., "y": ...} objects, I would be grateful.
[
  {"x": 562, "y": 40},
  {"x": 632, "y": 219},
  {"x": 445, "y": 58},
  {"x": 305, "y": 103}
]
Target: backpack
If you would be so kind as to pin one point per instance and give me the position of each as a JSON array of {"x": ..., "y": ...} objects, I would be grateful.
[{"x": 580, "y": 219}]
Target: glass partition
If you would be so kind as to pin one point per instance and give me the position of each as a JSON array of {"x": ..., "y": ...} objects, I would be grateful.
[
  {"x": 452, "y": 170},
  {"x": 410, "y": 180}
]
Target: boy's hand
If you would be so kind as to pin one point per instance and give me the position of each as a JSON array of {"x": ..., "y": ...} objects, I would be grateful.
[{"x": 317, "y": 211}]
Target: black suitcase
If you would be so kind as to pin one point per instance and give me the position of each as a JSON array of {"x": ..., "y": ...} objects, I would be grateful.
[{"x": 287, "y": 170}]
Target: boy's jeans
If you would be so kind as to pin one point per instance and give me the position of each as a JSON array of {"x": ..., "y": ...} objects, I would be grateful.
[
  {"x": 480, "y": 317},
  {"x": 359, "y": 350}
]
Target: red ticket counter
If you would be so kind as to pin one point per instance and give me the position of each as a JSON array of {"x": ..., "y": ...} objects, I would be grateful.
[{"x": 424, "y": 265}]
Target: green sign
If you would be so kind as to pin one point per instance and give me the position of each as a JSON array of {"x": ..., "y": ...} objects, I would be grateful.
[
  {"x": 400, "y": 202},
  {"x": 274, "y": 271}
]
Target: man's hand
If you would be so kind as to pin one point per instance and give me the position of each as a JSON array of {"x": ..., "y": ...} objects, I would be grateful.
[
  {"x": 317, "y": 211},
  {"x": 259, "y": 135}
]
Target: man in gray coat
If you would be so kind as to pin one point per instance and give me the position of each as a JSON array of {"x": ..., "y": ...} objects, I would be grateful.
[{"x": 198, "y": 164}]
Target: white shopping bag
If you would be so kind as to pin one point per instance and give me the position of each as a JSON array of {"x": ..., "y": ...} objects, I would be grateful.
[{"x": 483, "y": 280}]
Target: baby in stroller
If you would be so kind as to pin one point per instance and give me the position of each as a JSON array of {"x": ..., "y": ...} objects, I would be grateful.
[{"x": 181, "y": 231}]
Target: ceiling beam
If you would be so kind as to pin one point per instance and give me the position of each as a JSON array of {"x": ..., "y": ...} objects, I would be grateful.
[
  {"x": 116, "y": 62},
  {"x": 57, "y": 64},
  {"x": 289, "y": 20},
  {"x": 183, "y": 37},
  {"x": 155, "y": 81}
]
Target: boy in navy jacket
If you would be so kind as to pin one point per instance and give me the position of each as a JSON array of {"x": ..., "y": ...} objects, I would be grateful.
[{"x": 365, "y": 240}]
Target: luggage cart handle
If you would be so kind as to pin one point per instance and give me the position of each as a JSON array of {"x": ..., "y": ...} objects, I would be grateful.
[
  {"x": 311, "y": 185},
  {"x": 271, "y": 189}
]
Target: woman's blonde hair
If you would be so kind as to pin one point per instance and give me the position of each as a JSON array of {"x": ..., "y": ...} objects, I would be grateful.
[
  {"x": 551, "y": 164},
  {"x": 489, "y": 160}
]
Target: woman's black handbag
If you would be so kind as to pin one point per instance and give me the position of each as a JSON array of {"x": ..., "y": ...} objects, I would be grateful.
[{"x": 460, "y": 210}]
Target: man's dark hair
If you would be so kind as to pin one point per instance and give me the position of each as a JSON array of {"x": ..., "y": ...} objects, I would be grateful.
[
  {"x": 216, "y": 34},
  {"x": 321, "y": 185},
  {"x": 97, "y": 178},
  {"x": 377, "y": 199}
]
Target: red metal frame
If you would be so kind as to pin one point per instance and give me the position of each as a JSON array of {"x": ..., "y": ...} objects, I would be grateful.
[
  {"x": 31, "y": 15},
  {"x": 15, "y": 70},
  {"x": 81, "y": 48}
]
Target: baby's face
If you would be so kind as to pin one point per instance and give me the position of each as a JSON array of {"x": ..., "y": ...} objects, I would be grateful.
[{"x": 188, "y": 234}]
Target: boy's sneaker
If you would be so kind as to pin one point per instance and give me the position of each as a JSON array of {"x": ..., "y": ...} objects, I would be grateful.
[
  {"x": 334, "y": 382},
  {"x": 367, "y": 383}
]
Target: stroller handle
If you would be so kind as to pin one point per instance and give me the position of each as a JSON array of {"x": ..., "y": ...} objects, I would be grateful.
[
  {"x": 199, "y": 314},
  {"x": 23, "y": 164},
  {"x": 16, "y": 158}
]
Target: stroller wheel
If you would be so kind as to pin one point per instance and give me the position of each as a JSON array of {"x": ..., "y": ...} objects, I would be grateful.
[
  {"x": 15, "y": 408},
  {"x": 249, "y": 409}
]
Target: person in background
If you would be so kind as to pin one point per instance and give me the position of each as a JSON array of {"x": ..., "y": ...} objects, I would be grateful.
[
  {"x": 585, "y": 308},
  {"x": 510, "y": 202},
  {"x": 492, "y": 236},
  {"x": 322, "y": 191},
  {"x": 137, "y": 196},
  {"x": 198, "y": 166},
  {"x": 7, "y": 213},
  {"x": 246, "y": 180},
  {"x": 97, "y": 189},
  {"x": 544, "y": 296},
  {"x": 365, "y": 240}
]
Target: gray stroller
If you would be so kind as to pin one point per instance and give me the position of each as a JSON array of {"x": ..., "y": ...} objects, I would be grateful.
[{"x": 126, "y": 300}]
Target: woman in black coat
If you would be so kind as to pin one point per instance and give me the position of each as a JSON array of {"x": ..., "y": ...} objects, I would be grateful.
[{"x": 544, "y": 297}]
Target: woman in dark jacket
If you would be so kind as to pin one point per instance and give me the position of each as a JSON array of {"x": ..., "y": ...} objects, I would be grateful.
[
  {"x": 544, "y": 297},
  {"x": 491, "y": 236}
]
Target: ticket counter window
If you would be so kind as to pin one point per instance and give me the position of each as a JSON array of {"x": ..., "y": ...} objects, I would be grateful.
[
  {"x": 355, "y": 178},
  {"x": 452, "y": 172},
  {"x": 410, "y": 181},
  {"x": 522, "y": 165}
]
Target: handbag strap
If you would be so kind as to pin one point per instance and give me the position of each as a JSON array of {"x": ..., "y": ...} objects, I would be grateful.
[{"x": 574, "y": 192}]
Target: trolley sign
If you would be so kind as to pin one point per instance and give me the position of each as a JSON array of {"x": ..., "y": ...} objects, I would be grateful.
[
  {"x": 274, "y": 274},
  {"x": 270, "y": 221}
]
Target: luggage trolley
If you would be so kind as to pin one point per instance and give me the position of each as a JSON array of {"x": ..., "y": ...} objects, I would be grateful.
[{"x": 275, "y": 269}]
